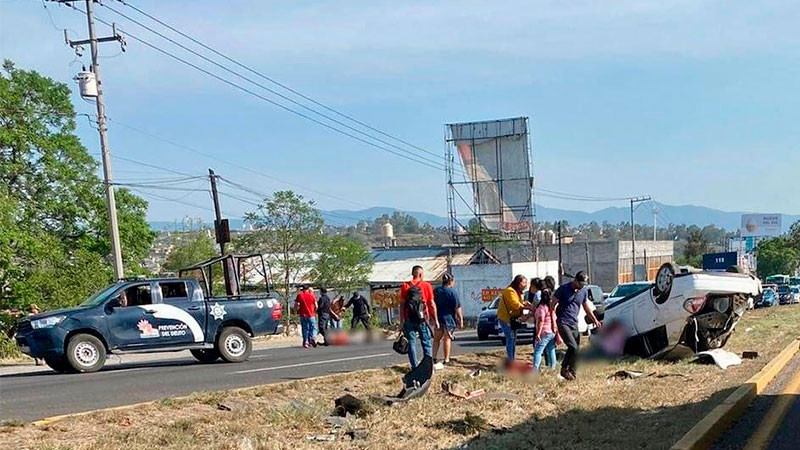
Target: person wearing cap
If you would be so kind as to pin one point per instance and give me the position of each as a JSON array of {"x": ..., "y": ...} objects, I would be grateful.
[
  {"x": 448, "y": 311},
  {"x": 569, "y": 299}
]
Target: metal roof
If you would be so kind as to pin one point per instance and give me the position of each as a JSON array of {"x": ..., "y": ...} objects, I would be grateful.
[{"x": 393, "y": 265}]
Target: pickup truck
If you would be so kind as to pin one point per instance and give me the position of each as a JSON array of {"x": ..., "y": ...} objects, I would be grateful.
[{"x": 153, "y": 315}]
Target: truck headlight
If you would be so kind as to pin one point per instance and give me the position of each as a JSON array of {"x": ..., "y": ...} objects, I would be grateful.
[{"x": 47, "y": 322}]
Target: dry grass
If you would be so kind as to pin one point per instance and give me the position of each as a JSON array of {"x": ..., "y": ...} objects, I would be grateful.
[{"x": 593, "y": 412}]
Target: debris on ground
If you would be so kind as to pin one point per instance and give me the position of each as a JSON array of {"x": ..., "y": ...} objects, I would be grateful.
[
  {"x": 438, "y": 366},
  {"x": 322, "y": 437},
  {"x": 722, "y": 358},
  {"x": 749, "y": 355},
  {"x": 223, "y": 407},
  {"x": 337, "y": 421},
  {"x": 476, "y": 373},
  {"x": 348, "y": 404},
  {"x": 628, "y": 375},
  {"x": 357, "y": 434},
  {"x": 459, "y": 391}
]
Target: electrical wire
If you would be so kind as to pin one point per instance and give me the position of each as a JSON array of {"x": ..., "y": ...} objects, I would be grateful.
[
  {"x": 277, "y": 83},
  {"x": 416, "y": 158}
]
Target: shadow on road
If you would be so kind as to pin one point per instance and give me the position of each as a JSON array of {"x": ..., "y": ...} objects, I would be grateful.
[
  {"x": 114, "y": 368},
  {"x": 601, "y": 428}
]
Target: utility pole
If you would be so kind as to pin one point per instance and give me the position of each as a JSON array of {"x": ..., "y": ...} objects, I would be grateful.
[
  {"x": 656, "y": 210},
  {"x": 560, "y": 263},
  {"x": 634, "y": 200},
  {"x": 102, "y": 128},
  {"x": 217, "y": 212}
]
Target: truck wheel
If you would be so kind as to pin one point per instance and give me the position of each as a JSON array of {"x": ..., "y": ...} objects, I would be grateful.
[
  {"x": 205, "y": 356},
  {"x": 665, "y": 277},
  {"x": 85, "y": 353},
  {"x": 234, "y": 344},
  {"x": 60, "y": 365}
]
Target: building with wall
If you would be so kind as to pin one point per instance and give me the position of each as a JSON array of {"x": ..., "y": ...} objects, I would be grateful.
[{"x": 609, "y": 263}]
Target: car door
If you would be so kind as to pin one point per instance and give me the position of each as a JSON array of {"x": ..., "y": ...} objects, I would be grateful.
[
  {"x": 181, "y": 313},
  {"x": 131, "y": 324}
]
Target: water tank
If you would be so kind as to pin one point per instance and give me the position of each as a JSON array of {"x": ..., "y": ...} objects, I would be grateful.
[
  {"x": 87, "y": 83},
  {"x": 387, "y": 230}
]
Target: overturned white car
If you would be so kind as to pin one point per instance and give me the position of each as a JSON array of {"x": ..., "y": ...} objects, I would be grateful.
[{"x": 682, "y": 311}]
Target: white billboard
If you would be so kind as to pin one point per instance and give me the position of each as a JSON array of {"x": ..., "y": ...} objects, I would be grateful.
[{"x": 760, "y": 225}]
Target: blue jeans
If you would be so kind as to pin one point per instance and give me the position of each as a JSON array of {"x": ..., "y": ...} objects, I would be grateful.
[
  {"x": 411, "y": 330},
  {"x": 546, "y": 344},
  {"x": 511, "y": 340},
  {"x": 308, "y": 326}
]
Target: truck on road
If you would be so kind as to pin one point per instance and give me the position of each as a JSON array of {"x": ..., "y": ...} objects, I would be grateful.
[{"x": 159, "y": 315}]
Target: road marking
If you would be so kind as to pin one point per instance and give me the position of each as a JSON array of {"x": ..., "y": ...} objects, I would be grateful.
[
  {"x": 314, "y": 363},
  {"x": 774, "y": 417}
]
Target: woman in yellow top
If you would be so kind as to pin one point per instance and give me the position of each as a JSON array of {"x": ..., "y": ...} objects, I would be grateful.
[{"x": 510, "y": 308}]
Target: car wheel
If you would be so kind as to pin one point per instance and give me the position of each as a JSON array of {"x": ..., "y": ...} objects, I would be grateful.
[
  {"x": 205, "y": 355},
  {"x": 60, "y": 365},
  {"x": 482, "y": 336},
  {"x": 85, "y": 353},
  {"x": 234, "y": 344},
  {"x": 665, "y": 278}
]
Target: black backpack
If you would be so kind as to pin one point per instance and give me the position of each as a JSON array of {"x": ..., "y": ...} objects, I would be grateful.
[{"x": 415, "y": 308}]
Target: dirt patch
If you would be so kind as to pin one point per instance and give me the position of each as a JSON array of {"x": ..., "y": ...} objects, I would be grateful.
[{"x": 596, "y": 411}]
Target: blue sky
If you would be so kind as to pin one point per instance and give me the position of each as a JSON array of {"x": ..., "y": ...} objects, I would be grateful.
[{"x": 692, "y": 102}]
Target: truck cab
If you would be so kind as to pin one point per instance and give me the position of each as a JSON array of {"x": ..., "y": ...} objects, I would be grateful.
[{"x": 151, "y": 315}]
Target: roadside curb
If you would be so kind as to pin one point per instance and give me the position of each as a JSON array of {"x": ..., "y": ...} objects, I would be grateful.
[
  {"x": 51, "y": 420},
  {"x": 723, "y": 415}
]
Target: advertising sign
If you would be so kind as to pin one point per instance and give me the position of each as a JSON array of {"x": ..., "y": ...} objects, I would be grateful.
[
  {"x": 760, "y": 225},
  {"x": 719, "y": 262}
]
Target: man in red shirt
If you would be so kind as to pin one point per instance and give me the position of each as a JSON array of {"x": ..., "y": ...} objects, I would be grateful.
[
  {"x": 306, "y": 306},
  {"x": 417, "y": 308}
]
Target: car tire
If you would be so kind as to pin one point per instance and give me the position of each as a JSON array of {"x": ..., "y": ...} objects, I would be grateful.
[
  {"x": 482, "y": 336},
  {"x": 205, "y": 355},
  {"x": 60, "y": 365},
  {"x": 85, "y": 353},
  {"x": 665, "y": 278},
  {"x": 234, "y": 344}
]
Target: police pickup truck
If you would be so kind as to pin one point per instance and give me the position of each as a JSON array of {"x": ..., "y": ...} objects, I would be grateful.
[{"x": 157, "y": 315}]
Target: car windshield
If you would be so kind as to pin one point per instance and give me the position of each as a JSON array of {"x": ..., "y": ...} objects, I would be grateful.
[
  {"x": 624, "y": 290},
  {"x": 783, "y": 289},
  {"x": 99, "y": 296},
  {"x": 493, "y": 305}
]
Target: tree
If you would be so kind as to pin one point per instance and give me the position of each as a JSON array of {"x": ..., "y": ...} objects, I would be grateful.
[
  {"x": 776, "y": 256},
  {"x": 286, "y": 229},
  {"x": 54, "y": 244},
  {"x": 192, "y": 249},
  {"x": 343, "y": 264},
  {"x": 696, "y": 247}
]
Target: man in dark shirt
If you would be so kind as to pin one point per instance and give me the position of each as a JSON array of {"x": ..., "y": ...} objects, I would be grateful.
[
  {"x": 323, "y": 314},
  {"x": 570, "y": 298},
  {"x": 448, "y": 310},
  {"x": 361, "y": 310}
]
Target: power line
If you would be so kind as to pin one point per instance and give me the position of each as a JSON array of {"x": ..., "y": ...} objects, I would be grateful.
[
  {"x": 232, "y": 164},
  {"x": 273, "y": 81},
  {"x": 421, "y": 160}
]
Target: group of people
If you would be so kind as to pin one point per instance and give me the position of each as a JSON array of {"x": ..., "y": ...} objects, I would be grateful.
[
  {"x": 429, "y": 317},
  {"x": 555, "y": 312},
  {"x": 318, "y": 315}
]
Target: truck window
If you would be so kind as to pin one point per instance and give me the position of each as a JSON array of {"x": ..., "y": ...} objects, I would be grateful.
[
  {"x": 138, "y": 295},
  {"x": 173, "y": 291}
]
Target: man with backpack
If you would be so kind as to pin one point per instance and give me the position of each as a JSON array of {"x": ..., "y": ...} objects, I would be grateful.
[{"x": 416, "y": 309}]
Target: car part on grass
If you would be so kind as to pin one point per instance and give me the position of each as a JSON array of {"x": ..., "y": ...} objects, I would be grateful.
[
  {"x": 415, "y": 383},
  {"x": 348, "y": 404},
  {"x": 722, "y": 358},
  {"x": 456, "y": 390},
  {"x": 628, "y": 375},
  {"x": 749, "y": 355}
]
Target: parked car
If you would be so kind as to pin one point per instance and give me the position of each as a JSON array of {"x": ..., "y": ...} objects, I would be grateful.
[
  {"x": 487, "y": 321},
  {"x": 154, "y": 315},
  {"x": 768, "y": 298},
  {"x": 785, "y": 295},
  {"x": 795, "y": 292},
  {"x": 691, "y": 310}
]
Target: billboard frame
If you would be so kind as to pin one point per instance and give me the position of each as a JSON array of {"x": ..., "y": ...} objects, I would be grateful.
[{"x": 461, "y": 210}]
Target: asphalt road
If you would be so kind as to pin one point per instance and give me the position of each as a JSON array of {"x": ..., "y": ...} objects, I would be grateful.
[
  {"x": 38, "y": 394},
  {"x": 787, "y": 435}
]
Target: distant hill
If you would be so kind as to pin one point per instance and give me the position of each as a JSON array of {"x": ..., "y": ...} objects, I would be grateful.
[{"x": 683, "y": 214}]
